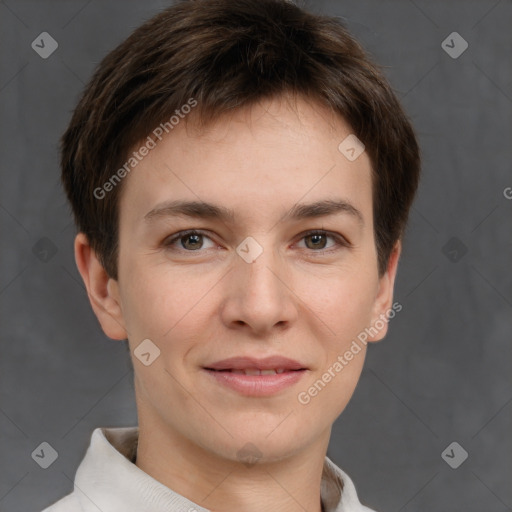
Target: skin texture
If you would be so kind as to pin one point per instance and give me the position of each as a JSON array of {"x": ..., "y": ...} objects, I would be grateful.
[{"x": 202, "y": 305}]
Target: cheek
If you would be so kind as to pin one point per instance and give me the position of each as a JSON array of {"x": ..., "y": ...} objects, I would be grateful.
[
  {"x": 166, "y": 306},
  {"x": 347, "y": 312},
  {"x": 150, "y": 304},
  {"x": 344, "y": 303},
  {"x": 330, "y": 389}
]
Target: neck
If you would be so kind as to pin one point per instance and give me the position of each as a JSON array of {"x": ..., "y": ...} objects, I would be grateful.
[{"x": 220, "y": 484}]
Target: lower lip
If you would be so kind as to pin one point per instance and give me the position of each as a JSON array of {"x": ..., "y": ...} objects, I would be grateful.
[{"x": 257, "y": 385}]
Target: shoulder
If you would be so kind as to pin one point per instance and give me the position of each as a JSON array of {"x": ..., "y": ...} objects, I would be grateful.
[
  {"x": 340, "y": 493},
  {"x": 367, "y": 509},
  {"x": 69, "y": 503}
]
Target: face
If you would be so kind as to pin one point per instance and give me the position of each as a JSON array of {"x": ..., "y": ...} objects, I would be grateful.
[{"x": 263, "y": 274}]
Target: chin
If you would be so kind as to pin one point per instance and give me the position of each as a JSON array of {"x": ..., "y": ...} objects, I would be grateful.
[{"x": 251, "y": 445}]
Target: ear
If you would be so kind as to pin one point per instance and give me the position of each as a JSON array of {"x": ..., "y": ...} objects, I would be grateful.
[
  {"x": 384, "y": 298},
  {"x": 102, "y": 290}
]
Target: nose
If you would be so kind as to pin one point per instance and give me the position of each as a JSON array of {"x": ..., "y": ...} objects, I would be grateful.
[{"x": 259, "y": 294}]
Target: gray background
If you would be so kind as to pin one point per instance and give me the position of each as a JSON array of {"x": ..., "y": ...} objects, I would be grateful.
[{"x": 442, "y": 374}]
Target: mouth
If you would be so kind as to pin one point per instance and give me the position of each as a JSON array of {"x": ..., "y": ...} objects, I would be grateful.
[
  {"x": 276, "y": 364},
  {"x": 256, "y": 377},
  {"x": 256, "y": 371}
]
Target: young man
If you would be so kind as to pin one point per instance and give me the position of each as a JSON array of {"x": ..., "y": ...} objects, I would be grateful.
[{"x": 240, "y": 174}]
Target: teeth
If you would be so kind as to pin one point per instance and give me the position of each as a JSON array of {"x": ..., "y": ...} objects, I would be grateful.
[
  {"x": 252, "y": 371},
  {"x": 255, "y": 371}
]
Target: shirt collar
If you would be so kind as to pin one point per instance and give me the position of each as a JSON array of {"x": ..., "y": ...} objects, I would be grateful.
[{"x": 109, "y": 481}]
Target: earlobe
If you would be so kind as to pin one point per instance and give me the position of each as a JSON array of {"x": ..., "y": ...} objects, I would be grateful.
[
  {"x": 101, "y": 289},
  {"x": 384, "y": 298}
]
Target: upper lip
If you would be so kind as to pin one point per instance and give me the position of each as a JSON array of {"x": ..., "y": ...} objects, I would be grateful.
[{"x": 267, "y": 363}]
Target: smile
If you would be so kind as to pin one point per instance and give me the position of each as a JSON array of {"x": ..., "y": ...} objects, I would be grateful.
[
  {"x": 255, "y": 382},
  {"x": 255, "y": 371}
]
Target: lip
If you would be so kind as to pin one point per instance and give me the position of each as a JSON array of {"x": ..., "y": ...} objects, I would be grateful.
[
  {"x": 256, "y": 385},
  {"x": 266, "y": 363}
]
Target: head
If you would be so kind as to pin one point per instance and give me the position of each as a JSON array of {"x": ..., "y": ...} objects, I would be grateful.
[{"x": 245, "y": 106}]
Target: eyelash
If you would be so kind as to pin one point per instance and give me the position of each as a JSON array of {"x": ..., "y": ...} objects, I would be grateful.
[{"x": 339, "y": 240}]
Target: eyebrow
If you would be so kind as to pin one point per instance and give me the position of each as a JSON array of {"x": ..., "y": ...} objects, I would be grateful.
[{"x": 299, "y": 211}]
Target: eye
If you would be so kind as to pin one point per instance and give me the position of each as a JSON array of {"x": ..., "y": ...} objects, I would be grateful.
[
  {"x": 190, "y": 241},
  {"x": 316, "y": 241}
]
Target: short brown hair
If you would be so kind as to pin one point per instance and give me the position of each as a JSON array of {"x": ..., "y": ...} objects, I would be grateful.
[{"x": 227, "y": 54}]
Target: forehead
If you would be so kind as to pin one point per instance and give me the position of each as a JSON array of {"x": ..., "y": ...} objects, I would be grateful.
[{"x": 254, "y": 161}]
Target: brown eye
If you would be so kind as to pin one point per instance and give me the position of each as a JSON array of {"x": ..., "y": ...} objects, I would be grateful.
[
  {"x": 317, "y": 241},
  {"x": 189, "y": 241}
]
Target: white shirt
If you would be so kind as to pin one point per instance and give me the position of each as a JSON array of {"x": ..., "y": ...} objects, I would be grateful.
[{"x": 107, "y": 480}]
